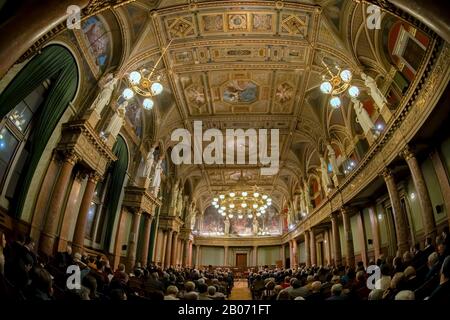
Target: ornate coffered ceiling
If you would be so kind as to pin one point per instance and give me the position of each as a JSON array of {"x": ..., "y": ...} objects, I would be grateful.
[{"x": 252, "y": 64}]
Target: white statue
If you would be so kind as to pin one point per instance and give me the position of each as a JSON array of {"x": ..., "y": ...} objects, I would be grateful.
[
  {"x": 326, "y": 181},
  {"x": 307, "y": 197},
  {"x": 117, "y": 121},
  {"x": 227, "y": 226},
  {"x": 376, "y": 94},
  {"x": 174, "y": 196},
  {"x": 179, "y": 203},
  {"x": 149, "y": 163},
  {"x": 362, "y": 116},
  {"x": 302, "y": 203},
  {"x": 157, "y": 177},
  {"x": 255, "y": 226},
  {"x": 333, "y": 161},
  {"x": 104, "y": 98}
]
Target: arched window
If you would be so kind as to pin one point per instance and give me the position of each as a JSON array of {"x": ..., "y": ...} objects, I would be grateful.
[
  {"x": 102, "y": 213},
  {"x": 31, "y": 107},
  {"x": 16, "y": 137}
]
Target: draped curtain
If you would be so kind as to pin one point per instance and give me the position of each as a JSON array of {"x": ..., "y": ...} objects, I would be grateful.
[
  {"x": 55, "y": 63},
  {"x": 118, "y": 172}
]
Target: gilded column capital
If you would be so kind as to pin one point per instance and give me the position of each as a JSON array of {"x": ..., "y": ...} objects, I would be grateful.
[
  {"x": 94, "y": 177},
  {"x": 386, "y": 173},
  {"x": 407, "y": 153},
  {"x": 71, "y": 157}
]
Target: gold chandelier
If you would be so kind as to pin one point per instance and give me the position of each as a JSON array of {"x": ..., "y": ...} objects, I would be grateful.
[
  {"x": 336, "y": 83},
  {"x": 141, "y": 83},
  {"x": 242, "y": 203}
]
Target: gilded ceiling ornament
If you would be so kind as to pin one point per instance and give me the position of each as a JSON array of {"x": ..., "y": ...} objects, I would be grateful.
[
  {"x": 285, "y": 92},
  {"x": 237, "y": 22}
]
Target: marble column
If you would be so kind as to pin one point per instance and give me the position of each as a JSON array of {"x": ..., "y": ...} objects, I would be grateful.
[
  {"x": 164, "y": 247},
  {"x": 443, "y": 179},
  {"x": 190, "y": 254},
  {"x": 133, "y": 240},
  {"x": 255, "y": 256},
  {"x": 48, "y": 235},
  {"x": 308, "y": 248},
  {"x": 186, "y": 253},
  {"x": 313, "y": 245},
  {"x": 32, "y": 20},
  {"x": 422, "y": 193},
  {"x": 350, "y": 254},
  {"x": 294, "y": 252},
  {"x": 283, "y": 256},
  {"x": 80, "y": 227},
  {"x": 401, "y": 223},
  {"x": 375, "y": 232},
  {"x": 168, "y": 259},
  {"x": 174, "y": 248},
  {"x": 225, "y": 256},
  {"x": 337, "y": 254},
  {"x": 146, "y": 240},
  {"x": 361, "y": 235},
  {"x": 291, "y": 257},
  {"x": 197, "y": 256}
]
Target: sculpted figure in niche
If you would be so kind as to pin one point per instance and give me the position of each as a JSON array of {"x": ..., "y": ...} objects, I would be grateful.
[
  {"x": 149, "y": 163},
  {"x": 255, "y": 226},
  {"x": 333, "y": 161},
  {"x": 104, "y": 98},
  {"x": 326, "y": 181},
  {"x": 117, "y": 121},
  {"x": 362, "y": 116},
  {"x": 174, "y": 196},
  {"x": 227, "y": 226},
  {"x": 157, "y": 177},
  {"x": 375, "y": 93}
]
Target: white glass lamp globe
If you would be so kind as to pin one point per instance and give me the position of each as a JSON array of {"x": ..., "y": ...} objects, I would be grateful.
[
  {"x": 346, "y": 75},
  {"x": 216, "y": 206},
  {"x": 157, "y": 88},
  {"x": 255, "y": 206},
  {"x": 222, "y": 196},
  {"x": 148, "y": 104},
  {"x": 269, "y": 200},
  {"x": 216, "y": 199},
  {"x": 214, "y": 203},
  {"x": 353, "y": 91},
  {"x": 256, "y": 194},
  {"x": 243, "y": 205},
  {"x": 232, "y": 194},
  {"x": 230, "y": 215},
  {"x": 263, "y": 211},
  {"x": 244, "y": 194},
  {"x": 223, "y": 208},
  {"x": 264, "y": 196},
  {"x": 250, "y": 216},
  {"x": 223, "y": 214},
  {"x": 231, "y": 205},
  {"x": 335, "y": 102},
  {"x": 258, "y": 214},
  {"x": 240, "y": 216},
  {"x": 135, "y": 77},
  {"x": 326, "y": 87},
  {"x": 128, "y": 94}
]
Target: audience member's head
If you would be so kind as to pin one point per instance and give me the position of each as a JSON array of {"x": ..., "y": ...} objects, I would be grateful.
[
  {"x": 336, "y": 289},
  {"x": 405, "y": 295},
  {"x": 189, "y": 286}
]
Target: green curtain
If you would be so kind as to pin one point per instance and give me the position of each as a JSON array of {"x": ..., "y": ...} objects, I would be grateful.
[
  {"x": 118, "y": 172},
  {"x": 55, "y": 63}
]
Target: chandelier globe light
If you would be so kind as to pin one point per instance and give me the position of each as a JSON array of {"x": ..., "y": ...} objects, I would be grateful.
[{"x": 144, "y": 83}]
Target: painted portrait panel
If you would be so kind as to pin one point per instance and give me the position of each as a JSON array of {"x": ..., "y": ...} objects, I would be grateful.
[{"x": 97, "y": 39}]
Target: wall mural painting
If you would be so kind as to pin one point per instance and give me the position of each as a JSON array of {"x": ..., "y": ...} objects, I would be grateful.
[
  {"x": 97, "y": 40},
  {"x": 241, "y": 227},
  {"x": 240, "y": 91},
  {"x": 270, "y": 222},
  {"x": 213, "y": 222}
]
